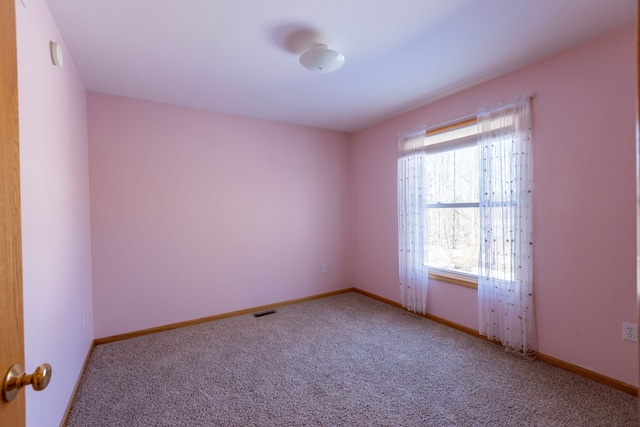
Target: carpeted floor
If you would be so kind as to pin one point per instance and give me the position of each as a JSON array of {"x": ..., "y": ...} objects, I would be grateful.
[{"x": 345, "y": 360}]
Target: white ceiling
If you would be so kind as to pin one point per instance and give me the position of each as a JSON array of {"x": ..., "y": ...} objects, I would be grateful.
[{"x": 241, "y": 56}]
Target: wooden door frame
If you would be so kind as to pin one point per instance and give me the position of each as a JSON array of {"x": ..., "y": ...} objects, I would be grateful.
[
  {"x": 11, "y": 298},
  {"x": 638, "y": 171}
]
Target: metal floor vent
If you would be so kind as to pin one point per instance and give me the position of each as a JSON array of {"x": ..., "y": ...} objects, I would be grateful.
[{"x": 263, "y": 313}]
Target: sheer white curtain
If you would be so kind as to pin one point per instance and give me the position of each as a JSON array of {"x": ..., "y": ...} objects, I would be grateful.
[
  {"x": 412, "y": 222},
  {"x": 505, "y": 278}
]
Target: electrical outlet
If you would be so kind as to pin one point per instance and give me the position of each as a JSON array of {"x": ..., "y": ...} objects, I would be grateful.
[
  {"x": 324, "y": 268},
  {"x": 630, "y": 332},
  {"x": 82, "y": 319}
]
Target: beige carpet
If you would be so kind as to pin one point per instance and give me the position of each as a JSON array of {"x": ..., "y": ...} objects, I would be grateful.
[{"x": 346, "y": 360}]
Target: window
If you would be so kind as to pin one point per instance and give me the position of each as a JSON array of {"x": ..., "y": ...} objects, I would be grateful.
[
  {"x": 465, "y": 216},
  {"x": 452, "y": 203}
]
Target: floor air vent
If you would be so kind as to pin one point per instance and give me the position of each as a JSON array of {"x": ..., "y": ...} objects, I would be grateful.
[{"x": 263, "y": 313}]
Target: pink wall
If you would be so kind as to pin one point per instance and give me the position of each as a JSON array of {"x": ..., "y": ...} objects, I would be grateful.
[
  {"x": 197, "y": 213},
  {"x": 584, "y": 213},
  {"x": 55, "y": 213}
]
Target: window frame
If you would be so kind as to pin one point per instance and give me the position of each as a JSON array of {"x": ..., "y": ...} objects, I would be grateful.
[{"x": 440, "y": 274}]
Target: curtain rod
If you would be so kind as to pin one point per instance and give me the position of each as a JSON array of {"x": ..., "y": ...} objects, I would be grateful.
[{"x": 426, "y": 128}]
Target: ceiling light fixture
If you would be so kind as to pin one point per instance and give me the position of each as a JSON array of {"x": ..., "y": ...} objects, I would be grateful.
[{"x": 321, "y": 59}]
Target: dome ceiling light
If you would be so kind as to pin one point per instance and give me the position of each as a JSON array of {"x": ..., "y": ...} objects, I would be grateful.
[{"x": 321, "y": 59}]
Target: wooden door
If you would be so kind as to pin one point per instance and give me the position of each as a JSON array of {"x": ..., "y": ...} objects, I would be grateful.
[{"x": 11, "y": 317}]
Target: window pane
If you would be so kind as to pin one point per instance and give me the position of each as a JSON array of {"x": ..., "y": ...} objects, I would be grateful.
[
  {"x": 453, "y": 239},
  {"x": 452, "y": 176}
]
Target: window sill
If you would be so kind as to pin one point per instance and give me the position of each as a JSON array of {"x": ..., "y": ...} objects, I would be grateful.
[{"x": 467, "y": 281}]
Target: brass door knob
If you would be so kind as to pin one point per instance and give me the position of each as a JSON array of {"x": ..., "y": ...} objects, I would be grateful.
[{"x": 16, "y": 378}]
